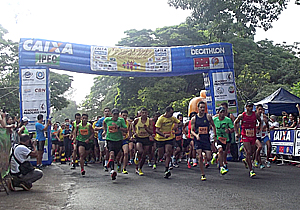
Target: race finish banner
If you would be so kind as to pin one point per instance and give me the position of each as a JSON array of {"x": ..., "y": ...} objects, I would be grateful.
[
  {"x": 126, "y": 61},
  {"x": 214, "y": 60}
]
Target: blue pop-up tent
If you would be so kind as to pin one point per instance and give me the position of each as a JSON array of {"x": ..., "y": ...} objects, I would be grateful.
[{"x": 280, "y": 100}]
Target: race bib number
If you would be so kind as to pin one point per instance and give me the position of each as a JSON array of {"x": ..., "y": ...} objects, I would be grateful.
[
  {"x": 222, "y": 140},
  {"x": 167, "y": 134},
  {"x": 250, "y": 132},
  {"x": 84, "y": 132},
  {"x": 112, "y": 129},
  {"x": 203, "y": 130},
  {"x": 178, "y": 138}
]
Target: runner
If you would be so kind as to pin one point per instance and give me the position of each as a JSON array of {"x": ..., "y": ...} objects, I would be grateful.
[
  {"x": 178, "y": 142},
  {"x": 224, "y": 127},
  {"x": 113, "y": 128},
  {"x": 67, "y": 134},
  {"x": 102, "y": 139},
  {"x": 142, "y": 129},
  {"x": 96, "y": 143},
  {"x": 74, "y": 126},
  {"x": 154, "y": 151},
  {"x": 61, "y": 145},
  {"x": 260, "y": 135},
  {"x": 54, "y": 140},
  {"x": 188, "y": 144},
  {"x": 248, "y": 132},
  {"x": 84, "y": 134},
  {"x": 123, "y": 155},
  {"x": 200, "y": 130},
  {"x": 165, "y": 137}
]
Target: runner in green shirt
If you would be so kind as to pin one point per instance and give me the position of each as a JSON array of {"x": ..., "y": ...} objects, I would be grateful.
[
  {"x": 113, "y": 128},
  {"x": 84, "y": 134},
  {"x": 224, "y": 127}
]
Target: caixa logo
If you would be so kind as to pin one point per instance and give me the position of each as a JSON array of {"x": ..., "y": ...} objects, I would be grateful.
[
  {"x": 40, "y": 75},
  {"x": 27, "y": 74}
]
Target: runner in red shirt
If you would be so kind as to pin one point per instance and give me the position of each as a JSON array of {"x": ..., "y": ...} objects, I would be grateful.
[{"x": 248, "y": 133}]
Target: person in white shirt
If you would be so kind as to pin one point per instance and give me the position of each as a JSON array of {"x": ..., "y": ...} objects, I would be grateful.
[{"x": 20, "y": 154}]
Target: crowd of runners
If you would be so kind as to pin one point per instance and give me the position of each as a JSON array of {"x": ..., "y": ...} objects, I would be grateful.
[{"x": 116, "y": 139}]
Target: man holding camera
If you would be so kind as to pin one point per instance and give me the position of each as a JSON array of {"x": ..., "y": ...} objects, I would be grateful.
[{"x": 22, "y": 172}]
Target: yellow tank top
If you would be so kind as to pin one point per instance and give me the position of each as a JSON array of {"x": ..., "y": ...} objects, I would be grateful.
[
  {"x": 60, "y": 135},
  {"x": 140, "y": 129}
]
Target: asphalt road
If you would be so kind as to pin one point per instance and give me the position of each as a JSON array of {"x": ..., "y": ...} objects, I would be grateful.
[{"x": 61, "y": 188}]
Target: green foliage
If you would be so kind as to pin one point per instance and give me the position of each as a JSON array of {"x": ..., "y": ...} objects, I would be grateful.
[
  {"x": 65, "y": 113},
  {"x": 234, "y": 16}
]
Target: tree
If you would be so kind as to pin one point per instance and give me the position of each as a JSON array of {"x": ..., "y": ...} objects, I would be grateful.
[
  {"x": 242, "y": 16},
  {"x": 59, "y": 84},
  {"x": 65, "y": 113}
]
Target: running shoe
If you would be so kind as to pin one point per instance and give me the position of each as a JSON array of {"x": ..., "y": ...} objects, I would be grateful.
[
  {"x": 105, "y": 169},
  {"x": 241, "y": 148},
  {"x": 136, "y": 159},
  {"x": 223, "y": 171},
  {"x": 119, "y": 168},
  {"x": 113, "y": 174},
  {"x": 274, "y": 158},
  {"x": 149, "y": 164},
  {"x": 206, "y": 165},
  {"x": 268, "y": 164},
  {"x": 175, "y": 165},
  {"x": 203, "y": 178},
  {"x": 167, "y": 174},
  {"x": 255, "y": 164},
  {"x": 225, "y": 166},
  {"x": 214, "y": 159},
  {"x": 82, "y": 172},
  {"x": 245, "y": 163},
  {"x": 154, "y": 166},
  {"x": 124, "y": 171},
  {"x": 73, "y": 166},
  {"x": 252, "y": 174},
  {"x": 85, "y": 163},
  {"x": 261, "y": 166},
  {"x": 130, "y": 162},
  {"x": 195, "y": 164},
  {"x": 189, "y": 165},
  {"x": 140, "y": 173}
]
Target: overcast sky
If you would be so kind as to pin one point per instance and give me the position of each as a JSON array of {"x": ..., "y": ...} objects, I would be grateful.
[{"x": 104, "y": 23}]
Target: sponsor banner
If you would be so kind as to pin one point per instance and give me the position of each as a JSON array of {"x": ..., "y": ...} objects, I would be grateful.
[
  {"x": 33, "y": 76},
  {"x": 32, "y": 109},
  {"x": 209, "y": 63},
  {"x": 224, "y": 90},
  {"x": 297, "y": 143},
  {"x": 131, "y": 59},
  {"x": 5, "y": 145},
  {"x": 33, "y": 93},
  {"x": 282, "y": 141},
  {"x": 125, "y": 61}
]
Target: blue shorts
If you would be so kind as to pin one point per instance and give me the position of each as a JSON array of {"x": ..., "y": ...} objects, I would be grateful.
[{"x": 125, "y": 141}]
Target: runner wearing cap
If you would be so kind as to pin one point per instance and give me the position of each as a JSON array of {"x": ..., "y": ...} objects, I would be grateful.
[
  {"x": 113, "y": 129},
  {"x": 224, "y": 127},
  {"x": 248, "y": 123}
]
